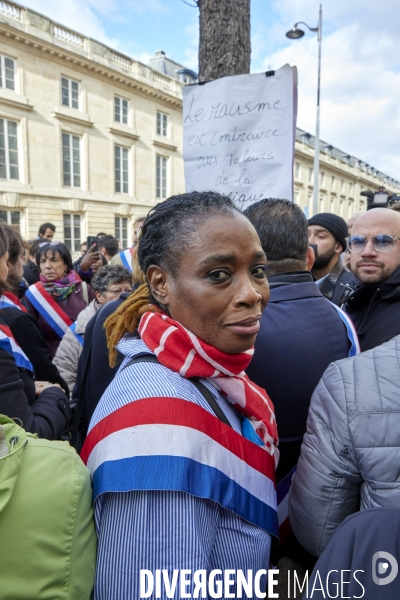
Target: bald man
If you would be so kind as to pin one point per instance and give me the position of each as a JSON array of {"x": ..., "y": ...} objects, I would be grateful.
[{"x": 374, "y": 306}]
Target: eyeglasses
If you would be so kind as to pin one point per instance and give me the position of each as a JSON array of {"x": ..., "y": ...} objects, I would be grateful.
[{"x": 381, "y": 243}]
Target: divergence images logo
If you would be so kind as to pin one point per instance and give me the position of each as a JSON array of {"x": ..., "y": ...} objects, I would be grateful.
[{"x": 382, "y": 568}]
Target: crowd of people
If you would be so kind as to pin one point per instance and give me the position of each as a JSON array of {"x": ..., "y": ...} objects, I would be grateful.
[{"x": 156, "y": 400}]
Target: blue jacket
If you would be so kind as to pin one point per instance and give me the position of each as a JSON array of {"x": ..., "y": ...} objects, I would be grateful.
[{"x": 301, "y": 334}]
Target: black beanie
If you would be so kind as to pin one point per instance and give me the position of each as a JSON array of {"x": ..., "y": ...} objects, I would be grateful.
[{"x": 334, "y": 224}]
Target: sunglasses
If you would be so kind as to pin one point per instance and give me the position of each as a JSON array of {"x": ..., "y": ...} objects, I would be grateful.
[{"x": 381, "y": 243}]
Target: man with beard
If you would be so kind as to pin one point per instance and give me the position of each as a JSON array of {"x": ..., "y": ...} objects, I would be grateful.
[
  {"x": 328, "y": 232},
  {"x": 374, "y": 306}
]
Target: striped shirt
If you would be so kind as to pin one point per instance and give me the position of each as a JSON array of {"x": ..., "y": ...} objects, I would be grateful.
[{"x": 163, "y": 529}]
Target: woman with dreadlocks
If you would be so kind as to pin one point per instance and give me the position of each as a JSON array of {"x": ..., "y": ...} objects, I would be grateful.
[{"x": 182, "y": 445}]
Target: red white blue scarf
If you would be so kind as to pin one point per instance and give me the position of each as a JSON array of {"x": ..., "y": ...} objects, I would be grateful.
[
  {"x": 48, "y": 308},
  {"x": 168, "y": 443},
  {"x": 8, "y": 343}
]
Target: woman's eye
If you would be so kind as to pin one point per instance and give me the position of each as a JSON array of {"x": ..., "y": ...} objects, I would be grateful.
[
  {"x": 259, "y": 271},
  {"x": 218, "y": 275}
]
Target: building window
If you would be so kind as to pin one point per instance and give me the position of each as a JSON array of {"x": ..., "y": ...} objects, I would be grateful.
[
  {"x": 161, "y": 177},
  {"x": 7, "y": 73},
  {"x": 341, "y": 186},
  {"x": 121, "y": 230},
  {"x": 321, "y": 203},
  {"x": 12, "y": 218},
  {"x": 121, "y": 169},
  {"x": 120, "y": 110},
  {"x": 72, "y": 232},
  {"x": 322, "y": 178},
  {"x": 162, "y": 122},
  {"x": 297, "y": 196},
  {"x": 71, "y": 160},
  {"x": 305, "y": 211},
  {"x": 297, "y": 170},
  {"x": 310, "y": 174},
  {"x": 8, "y": 150},
  {"x": 69, "y": 92},
  {"x": 351, "y": 187},
  {"x": 333, "y": 182}
]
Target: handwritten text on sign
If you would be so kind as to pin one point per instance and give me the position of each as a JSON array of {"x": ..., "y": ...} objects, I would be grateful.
[{"x": 239, "y": 136}]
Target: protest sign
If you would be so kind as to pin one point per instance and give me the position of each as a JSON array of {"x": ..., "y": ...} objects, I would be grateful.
[{"x": 239, "y": 134}]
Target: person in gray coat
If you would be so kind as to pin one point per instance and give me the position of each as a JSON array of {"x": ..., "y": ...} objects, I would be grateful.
[{"x": 350, "y": 457}]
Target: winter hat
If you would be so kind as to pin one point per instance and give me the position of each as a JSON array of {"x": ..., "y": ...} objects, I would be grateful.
[{"x": 334, "y": 224}]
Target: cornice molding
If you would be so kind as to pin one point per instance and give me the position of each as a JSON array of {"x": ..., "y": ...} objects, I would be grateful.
[
  {"x": 83, "y": 62},
  {"x": 10, "y": 98},
  {"x": 72, "y": 115},
  {"x": 157, "y": 141},
  {"x": 116, "y": 129}
]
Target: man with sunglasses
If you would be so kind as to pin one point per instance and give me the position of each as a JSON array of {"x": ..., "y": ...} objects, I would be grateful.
[{"x": 374, "y": 306}]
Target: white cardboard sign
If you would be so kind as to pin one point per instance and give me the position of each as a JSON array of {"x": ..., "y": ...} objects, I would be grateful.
[{"x": 239, "y": 134}]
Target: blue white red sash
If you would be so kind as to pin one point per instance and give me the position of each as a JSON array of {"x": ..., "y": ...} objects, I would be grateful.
[
  {"x": 78, "y": 336},
  {"x": 8, "y": 343},
  {"x": 175, "y": 445},
  {"x": 126, "y": 258},
  {"x": 351, "y": 331},
  {"x": 50, "y": 310},
  {"x": 282, "y": 493},
  {"x": 9, "y": 300},
  {"x": 7, "y": 303}
]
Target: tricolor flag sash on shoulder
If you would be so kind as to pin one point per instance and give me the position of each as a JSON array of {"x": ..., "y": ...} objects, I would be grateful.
[
  {"x": 126, "y": 258},
  {"x": 175, "y": 445},
  {"x": 351, "y": 331},
  {"x": 78, "y": 336},
  {"x": 8, "y": 303},
  {"x": 8, "y": 343},
  {"x": 48, "y": 308}
]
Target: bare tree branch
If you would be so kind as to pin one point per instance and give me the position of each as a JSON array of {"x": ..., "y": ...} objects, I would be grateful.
[{"x": 195, "y": 5}]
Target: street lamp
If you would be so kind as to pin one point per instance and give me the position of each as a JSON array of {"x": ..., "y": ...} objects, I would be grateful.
[{"x": 295, "y": 34}]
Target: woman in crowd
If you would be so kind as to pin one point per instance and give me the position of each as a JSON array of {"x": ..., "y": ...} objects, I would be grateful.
[
  {"x": 182, "y": 446},
  {"x": 108, "y": 284},
  {"x": 60, "y": 296},
  {"x": 24, "y": 326},
  {"x": 40, "y": 406}
]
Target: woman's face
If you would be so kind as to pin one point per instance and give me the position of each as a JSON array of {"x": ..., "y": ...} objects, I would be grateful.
[
  {"x": 4, "y": 267},
  {"x": 52, "y": 266},
  {"x": 221, "y": 289}
]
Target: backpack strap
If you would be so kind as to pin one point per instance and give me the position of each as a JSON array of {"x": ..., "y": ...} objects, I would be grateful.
[{"x": 204, "y": 391}]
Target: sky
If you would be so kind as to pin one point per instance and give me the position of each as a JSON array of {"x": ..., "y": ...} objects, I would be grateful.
[{"x": 360, "y": 74}]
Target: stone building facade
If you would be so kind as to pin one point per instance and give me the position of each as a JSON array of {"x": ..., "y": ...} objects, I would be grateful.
[
  {"x": 342, "y": 178},
  {"x": 89, "y": 138}
]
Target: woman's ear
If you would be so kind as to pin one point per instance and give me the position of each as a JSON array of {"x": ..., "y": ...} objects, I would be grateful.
[{"x": 158, "y": 284}]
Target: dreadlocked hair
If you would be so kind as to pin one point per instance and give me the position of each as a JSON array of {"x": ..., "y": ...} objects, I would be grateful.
[{"x": 163, "y": 240}]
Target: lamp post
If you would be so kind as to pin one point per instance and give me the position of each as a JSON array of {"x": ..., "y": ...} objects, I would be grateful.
[{"x": 295, "y": 34}]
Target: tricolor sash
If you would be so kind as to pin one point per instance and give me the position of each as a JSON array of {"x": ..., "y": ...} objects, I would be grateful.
[
  {"x": 351, "y": 331},
  {"x": 282, "y": 493},
  {"x": 78, "y": 336},
  {"x": 8, "y": 343},
  {"x": 7, "y": 301},
  {"x": 175, "y": 445},
  {"x": 126, "y": 258},
  {"x": 50, "y": 310}
]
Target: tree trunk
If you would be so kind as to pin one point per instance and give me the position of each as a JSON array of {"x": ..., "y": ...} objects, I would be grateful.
[{"x": 224, "y": 47}]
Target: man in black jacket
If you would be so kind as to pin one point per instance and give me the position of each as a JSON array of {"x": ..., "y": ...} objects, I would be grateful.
[
  {"x": 328, "y": 232},
  {"x": 301, "y": 331},
  {"x": 374, "y": 306}
]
